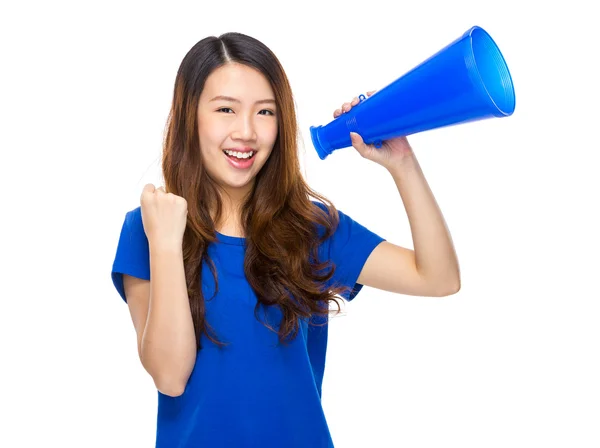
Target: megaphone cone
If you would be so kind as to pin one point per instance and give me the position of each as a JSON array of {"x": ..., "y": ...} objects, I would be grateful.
[{"x": 467, "y": 80}]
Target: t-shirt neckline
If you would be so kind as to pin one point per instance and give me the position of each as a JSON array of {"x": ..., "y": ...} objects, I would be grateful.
[{"x": 233, "y": 240}]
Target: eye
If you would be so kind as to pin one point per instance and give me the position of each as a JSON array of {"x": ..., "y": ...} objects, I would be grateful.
[{"x": 226, "y": 109}]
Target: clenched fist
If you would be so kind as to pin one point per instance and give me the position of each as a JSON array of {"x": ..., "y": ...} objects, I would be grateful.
[{"x": 164, "y": 216}]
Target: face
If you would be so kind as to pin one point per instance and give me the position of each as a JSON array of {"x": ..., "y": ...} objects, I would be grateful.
[{"x": 237, "y": 125}]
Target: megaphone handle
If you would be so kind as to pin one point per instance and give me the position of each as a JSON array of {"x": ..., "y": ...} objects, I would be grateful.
[{"x": 376, "y": 143}]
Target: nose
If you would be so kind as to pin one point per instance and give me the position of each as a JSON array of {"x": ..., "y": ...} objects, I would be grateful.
[{"x": 244, "y": 129}]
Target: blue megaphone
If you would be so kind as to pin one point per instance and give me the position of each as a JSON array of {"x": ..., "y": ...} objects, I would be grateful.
[{"x": 468, "y": 80}]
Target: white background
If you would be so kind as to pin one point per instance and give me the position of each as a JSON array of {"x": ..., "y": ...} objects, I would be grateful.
[{"x": 512, "y": 360}]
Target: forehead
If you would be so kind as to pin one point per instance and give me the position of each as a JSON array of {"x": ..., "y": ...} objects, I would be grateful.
[{"x": 237, "y": 80}]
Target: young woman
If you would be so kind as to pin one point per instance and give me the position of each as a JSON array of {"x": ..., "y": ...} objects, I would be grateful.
[{"x": 230, "y": 269}]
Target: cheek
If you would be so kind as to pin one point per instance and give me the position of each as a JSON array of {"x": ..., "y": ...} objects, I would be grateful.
[
  {"x": 270, "y": 134},
  {"x": 210, "y": 135}
]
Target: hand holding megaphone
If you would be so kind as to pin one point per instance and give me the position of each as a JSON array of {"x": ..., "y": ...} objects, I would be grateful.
[{"x": 389, "y": 154}]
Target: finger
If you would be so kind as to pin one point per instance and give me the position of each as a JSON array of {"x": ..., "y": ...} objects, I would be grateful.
[
  {"x": 337, "y": 113},
  {"x": 346, "y": 107},
  {"x": 147, "y": 192},
  {"x": 358, "y": 143},
  {"x": 355, "y": 101},
  {"x": 371, "y": 92}
]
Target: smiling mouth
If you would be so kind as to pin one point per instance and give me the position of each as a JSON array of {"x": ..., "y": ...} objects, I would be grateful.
[{"x": 236, "y": 155}]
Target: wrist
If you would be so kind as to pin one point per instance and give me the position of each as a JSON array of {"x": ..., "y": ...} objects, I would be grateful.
[
  {"x": 165, "y": 247},
  {"x": 408, "y": 164}
]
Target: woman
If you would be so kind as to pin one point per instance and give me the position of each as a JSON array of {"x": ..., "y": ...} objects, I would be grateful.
[{"x": 238, "y": 357}]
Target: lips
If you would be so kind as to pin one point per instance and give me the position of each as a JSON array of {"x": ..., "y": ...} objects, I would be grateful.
[
  {"x": 239, "y": 154},
  {"x": 242, "y": 149},
  {"x": 240, "y": 162}
]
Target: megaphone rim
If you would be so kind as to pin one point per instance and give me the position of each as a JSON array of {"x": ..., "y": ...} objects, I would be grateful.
[{"x": 504, "y": 66}]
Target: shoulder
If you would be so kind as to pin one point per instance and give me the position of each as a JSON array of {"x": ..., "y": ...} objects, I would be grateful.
[
  {"x": 133, "y": 220},
  {"x": 328, "y": 211},
  {"x": 326, "y": 218},
  {"x": 319, "y": 206},
  {"x": 134, "y": 215},
  {"x": 132, "y": 230},
  {"x": 344, "y": 230},
  {"x": 332, "y": 215},
  {"x": 133, "y": 242}
]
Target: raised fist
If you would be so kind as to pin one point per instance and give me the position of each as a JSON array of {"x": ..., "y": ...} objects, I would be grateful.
[{"x": 164, "y": 216}]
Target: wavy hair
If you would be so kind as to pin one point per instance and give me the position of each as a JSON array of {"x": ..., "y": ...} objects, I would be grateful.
[{"x": 282, "y": 226}]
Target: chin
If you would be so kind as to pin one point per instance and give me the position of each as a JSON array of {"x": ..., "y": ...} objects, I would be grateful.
[{"x": 237, "y": 184}]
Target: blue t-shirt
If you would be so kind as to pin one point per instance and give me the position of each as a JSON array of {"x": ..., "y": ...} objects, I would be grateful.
[{"x": 254, "y": 392}]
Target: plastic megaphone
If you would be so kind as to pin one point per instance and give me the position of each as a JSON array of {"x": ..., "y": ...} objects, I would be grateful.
[{"x": 468, "y": 80}]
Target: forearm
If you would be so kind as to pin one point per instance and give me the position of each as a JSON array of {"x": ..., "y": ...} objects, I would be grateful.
[
  {"x": 168, "y": 347},
  {"x": 435, "y": 256}
]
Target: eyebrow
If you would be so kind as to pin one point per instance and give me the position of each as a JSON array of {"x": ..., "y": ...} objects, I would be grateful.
[{"x": 235, "y": 100}]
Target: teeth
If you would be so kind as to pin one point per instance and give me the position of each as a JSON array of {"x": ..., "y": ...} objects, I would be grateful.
[{"x": 240, "y": 155}]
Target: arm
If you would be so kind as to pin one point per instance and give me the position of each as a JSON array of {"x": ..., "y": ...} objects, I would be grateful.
[
  {"x": 431, "y": 269},
  {"x": 162, "y": 318}
]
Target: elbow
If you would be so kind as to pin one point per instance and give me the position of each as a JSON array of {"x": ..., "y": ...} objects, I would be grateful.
[
  {"x": 170, "y": 388},
  {"x": 446, "y": 289},
  {"x": 171, "y": 382},
  {"x": 441, "y": 283},
  {"x": 166, "y": 383},
  {"x": 451, "y": 284},
  {"x": 452, "y": 288}
]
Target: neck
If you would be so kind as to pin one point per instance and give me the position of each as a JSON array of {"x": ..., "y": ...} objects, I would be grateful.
[{"x": 230, "y": 221}]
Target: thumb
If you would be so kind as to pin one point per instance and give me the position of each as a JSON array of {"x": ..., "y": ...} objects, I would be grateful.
[{"x": 359, "y": 143}]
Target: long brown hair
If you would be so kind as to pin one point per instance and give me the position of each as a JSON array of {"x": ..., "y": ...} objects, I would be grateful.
[{"x": 282, "y": 226}]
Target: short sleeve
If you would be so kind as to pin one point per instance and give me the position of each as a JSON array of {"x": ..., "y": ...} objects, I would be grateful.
[
  {"x": 132, "y": 254},
  {"x": 348, "y": 248}
]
